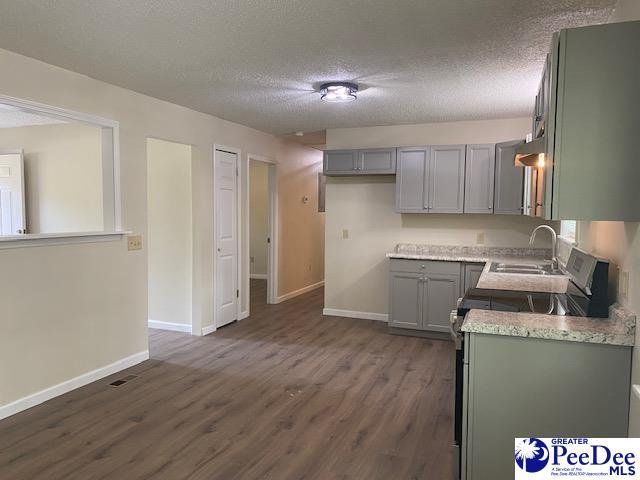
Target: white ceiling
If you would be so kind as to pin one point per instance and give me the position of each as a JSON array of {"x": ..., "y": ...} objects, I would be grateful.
[{"x": 256, "y": 62}]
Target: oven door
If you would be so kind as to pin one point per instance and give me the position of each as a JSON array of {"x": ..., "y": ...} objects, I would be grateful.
[{"x": 458, "y": 337}]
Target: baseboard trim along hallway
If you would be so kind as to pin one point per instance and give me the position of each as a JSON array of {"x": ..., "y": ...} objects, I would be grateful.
[
  {"x": 174, "y": 327},
  {"x": 382, "y": 317},
  {"x": 295, "y": 293},
  {"x": 80, "y": 381}
]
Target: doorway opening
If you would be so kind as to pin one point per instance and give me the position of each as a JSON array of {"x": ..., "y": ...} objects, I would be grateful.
[
  {"x": 262, "y": 183},
  {"x": 170, "y": 235}
]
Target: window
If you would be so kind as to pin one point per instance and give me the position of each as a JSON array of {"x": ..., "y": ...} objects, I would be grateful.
[
  {"x": 568, "y": 229},
  {"x": 58, "y": 173}
]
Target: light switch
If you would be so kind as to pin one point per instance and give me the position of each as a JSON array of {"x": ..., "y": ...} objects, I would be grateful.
[
  {"x": 345, "y": 234},
  {"x": 134, "y": 242}
]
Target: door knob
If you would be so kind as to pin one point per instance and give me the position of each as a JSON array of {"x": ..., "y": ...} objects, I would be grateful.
[{"x": 219, "y": 249}]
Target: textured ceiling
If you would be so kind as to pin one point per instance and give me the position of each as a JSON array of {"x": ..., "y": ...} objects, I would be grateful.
[
  {"x": 11, "y": 118},
  {"x": 256, "y": 62}
]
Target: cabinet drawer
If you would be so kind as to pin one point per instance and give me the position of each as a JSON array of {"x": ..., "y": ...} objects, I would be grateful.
[{"x": 425, "y": 266}]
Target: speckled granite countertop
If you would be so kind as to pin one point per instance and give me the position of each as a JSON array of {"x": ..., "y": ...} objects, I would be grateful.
[
  {"x": 455, "y": 253},
  {"x": 618, "y": 329}
]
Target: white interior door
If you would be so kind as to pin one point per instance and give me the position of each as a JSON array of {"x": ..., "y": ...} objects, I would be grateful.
[
  {"x": 12, "y": 207},
  {"x": 226, "y": 207}
]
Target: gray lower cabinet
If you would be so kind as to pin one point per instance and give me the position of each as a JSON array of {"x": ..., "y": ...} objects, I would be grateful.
[
  {"x": 509, "y": 180},
  {"x": 479, "y": 178},
  {"x": 376, "y": 161},
  {"x": 524, "y": 387},
  {"x": 422, "y": 294},
  {"x": 472, "y": 272}
]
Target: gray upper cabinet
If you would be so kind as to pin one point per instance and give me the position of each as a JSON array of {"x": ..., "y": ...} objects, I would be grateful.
[
  {"x": 411, "y": 176},
  {"x": 340, "y": 162},
  {"x": 381, "y": 161},
  {"x": 377, "y": 161},
  {"x": 446, "y": 179},
  {"x": 479, "y": 179},
  {"x": 509, "y": 180}
]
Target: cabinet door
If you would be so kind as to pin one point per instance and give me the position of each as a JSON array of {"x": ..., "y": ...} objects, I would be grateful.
[
  {"x": 472, "y": 272},
  {"x": 508, "y": 195},
  {"x": 446, "y": 179},
  {"x": 340, "y": 162},
  {"x": 413, "y": 165},
  {"x": 479, "y": 178},
  {"x": 440, "y": 296},
  {"x": 377, "y": 161},
  {"x": 405, "y": 306}
]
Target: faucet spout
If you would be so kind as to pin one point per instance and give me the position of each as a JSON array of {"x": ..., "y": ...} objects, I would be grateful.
[{"x": 554, "y": 242}]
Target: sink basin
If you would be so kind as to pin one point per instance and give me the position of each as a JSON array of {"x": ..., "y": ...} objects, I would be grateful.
[{"x": 523, "y": 268}]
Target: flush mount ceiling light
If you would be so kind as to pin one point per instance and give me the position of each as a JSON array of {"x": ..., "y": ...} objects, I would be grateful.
[{"x": 336, "y": 92}]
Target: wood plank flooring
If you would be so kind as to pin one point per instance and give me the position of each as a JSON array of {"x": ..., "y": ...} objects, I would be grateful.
[{"x": 284, "y": 394}]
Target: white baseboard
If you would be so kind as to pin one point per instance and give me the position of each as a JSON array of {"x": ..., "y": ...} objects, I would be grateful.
[
  {"x": 300, "y": 291},
  {"x": 243, "y": 315},
  {"x": 382, "y": 317},
  {"x": 208, "y": 329},
  {"x": 77, "y": 382},
  {"x": 176, "y": 327},
  {"x": 258, "y": 276}
]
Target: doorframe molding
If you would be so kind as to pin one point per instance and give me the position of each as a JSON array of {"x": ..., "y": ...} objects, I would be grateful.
[
  {"x": 240, "y": 255},
  {"x": 272, "y": 260}
]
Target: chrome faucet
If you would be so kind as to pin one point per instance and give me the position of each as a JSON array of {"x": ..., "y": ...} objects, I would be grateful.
[{"x": 554, "y": 243}]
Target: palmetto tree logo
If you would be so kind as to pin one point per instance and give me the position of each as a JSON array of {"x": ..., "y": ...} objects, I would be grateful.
[{"x": 532, "y": 455}]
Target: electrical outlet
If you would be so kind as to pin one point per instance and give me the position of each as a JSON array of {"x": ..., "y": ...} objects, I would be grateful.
[
  {"x": 624, "y": 286},
  {"x": 345, "y": 234},
  {"x": 252, "y": 259},
  {"x": 134, "y": 242},
  {"x": 480, "y": 238}
]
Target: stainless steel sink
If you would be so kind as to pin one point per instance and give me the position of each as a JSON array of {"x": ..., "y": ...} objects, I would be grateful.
[{"x": 523, "y": 268}]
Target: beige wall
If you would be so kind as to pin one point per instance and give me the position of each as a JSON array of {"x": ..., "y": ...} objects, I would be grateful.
[
  {"x": 169, "y": 231},
  {"x": 301, "y": 227},
  {"x": 76, "y": 308},
  {"x": 259, "y": 216},
  {"x": 356, "y": 268},
  {"x": 63, "y": 176}
]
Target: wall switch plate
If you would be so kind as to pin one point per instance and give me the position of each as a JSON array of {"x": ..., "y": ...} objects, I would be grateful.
[
  {"x": 345, "y": 233},
  {"x": 134, "y": 242},
  {"x": 480, "y": 238},
  {"x": 305, "y": 199}
]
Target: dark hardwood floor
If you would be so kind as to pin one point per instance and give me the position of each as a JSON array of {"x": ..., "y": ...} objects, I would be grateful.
[{"x": 284, "y": 394}]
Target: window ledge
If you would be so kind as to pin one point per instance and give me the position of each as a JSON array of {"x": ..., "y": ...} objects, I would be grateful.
[{"x": 47, "y": 239}]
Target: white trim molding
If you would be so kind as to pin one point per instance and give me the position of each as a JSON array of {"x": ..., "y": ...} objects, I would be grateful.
[
  {"x": 175, "y": 327},
  {"x": 208, "y": 329},
  {"x": 258, "y": 276},
  {"x": 295, "y": 293},
  {"x": 334, "y": 312},
  {"x": 46, "y": 239},
  {"x": 80, "y": 381},
  {"x": 243, "y": 315}
]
